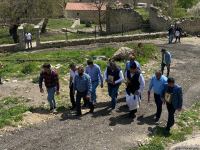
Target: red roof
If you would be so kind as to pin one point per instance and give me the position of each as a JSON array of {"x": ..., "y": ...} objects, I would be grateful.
[{"x": 83, "y": 6}]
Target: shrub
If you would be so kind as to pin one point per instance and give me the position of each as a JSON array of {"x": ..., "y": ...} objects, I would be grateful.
[
  {"x": 28, "y": 68},
  {"x": 195, "y": 11}
]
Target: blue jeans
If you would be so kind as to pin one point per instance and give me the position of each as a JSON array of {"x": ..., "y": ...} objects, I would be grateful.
[
  {"x": 93, "y": 93},
  {"x": 171, "y": 37},
  {"x": 50, "y": 97},
  {"x": 113, "y": 93}
]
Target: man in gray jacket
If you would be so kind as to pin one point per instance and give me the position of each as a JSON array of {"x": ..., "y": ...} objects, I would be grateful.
[{"x": 166, "y": 61}]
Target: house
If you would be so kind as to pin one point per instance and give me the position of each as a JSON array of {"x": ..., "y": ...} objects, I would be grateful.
[{"x": 84, "y": 11}]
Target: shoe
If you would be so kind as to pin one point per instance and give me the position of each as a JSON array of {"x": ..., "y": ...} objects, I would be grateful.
[
  {"x": 166, "y": 132},
  {"x": 91, "y": 109},
  {"x": 157, "y": 119},
  {"x": 54, "y": 111},
  {"x": 78, "y": 114},
  {"x": 132, "y": 115}
]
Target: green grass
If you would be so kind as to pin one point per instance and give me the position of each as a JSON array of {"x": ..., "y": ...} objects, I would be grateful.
[
  {"x": 5, "y": 38},
  {"x": 59, "y": 23},
  {"x": 187, "y": 122},
  {"x": 180, "y": 13},
  {"x": 143, "y": 12},
  {"x": 11, "y": 111},
  {"x": 17, "y": 67}
]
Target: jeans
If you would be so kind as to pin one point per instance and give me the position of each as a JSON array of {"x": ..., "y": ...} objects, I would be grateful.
[
  {"x": 71, "y": 93},
  {"x": 171, "y": 37},
  {"x": 171, "y": 111},
  {"x": 163, "y": 68},
  {"x": 159, "y": 103},
  {"x": 50, "y": 97},
  {"x": 93, "y": 94},
  {"x": 113, "y": 93},
  {"x": 79, "y": 96}
]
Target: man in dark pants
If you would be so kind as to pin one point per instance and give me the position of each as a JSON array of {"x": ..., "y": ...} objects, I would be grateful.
[
  {"x": 83, "y": 86},
  {"x": 157, "y": 82},
  {"x": 173, "y": 97},
  {"x": 73, "y": 73},
  {"x": 166, "y": 61}
]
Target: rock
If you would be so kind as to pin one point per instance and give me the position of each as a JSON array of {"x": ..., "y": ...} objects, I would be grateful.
[
  {"x": 143, "y": 72},
  {"x": 27, "y": 113},
  {"x": 29, "y": 99},
  {"x": 100, "y": 58},
  {"x": 58, "y": 66},
  {"x": 123, "y": 53},
  {"x": 7, "y": 80},
  {"x": 14, "y": 81}
]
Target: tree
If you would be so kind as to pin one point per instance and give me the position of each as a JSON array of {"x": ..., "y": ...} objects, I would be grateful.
[
  {"x": 100, "y": 5},
  {"x": 187, "y": 3},
  {"x": 12, "y": 11}
]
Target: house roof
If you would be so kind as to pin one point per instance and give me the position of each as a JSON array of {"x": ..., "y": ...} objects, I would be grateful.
[{"x": 83, "y": 6}]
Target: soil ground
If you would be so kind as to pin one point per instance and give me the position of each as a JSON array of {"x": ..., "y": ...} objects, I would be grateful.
[{"x": 105, "y": 129}]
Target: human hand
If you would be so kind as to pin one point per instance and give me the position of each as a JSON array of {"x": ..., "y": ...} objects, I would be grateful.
[
  {"x": 57, "y": 93},
  {"x": 41, "y": 90}
]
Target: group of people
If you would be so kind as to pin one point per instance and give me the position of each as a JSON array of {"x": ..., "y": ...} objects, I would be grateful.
[
  {"x": 85, "y": 80},
  {"x": 174, "y": 32}
]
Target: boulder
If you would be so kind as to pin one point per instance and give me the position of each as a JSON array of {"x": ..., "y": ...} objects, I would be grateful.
[{"x": 122, "y": 54}]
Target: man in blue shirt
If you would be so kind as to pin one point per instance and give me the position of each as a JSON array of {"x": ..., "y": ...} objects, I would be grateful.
[
  {"x": 130, "y": 62},
  {"x": 157, "y": 82},
  {"x": 172, "y": 94},
  {"x": 83, "y": 86},
  {"x": 94, "y": 71},
  {"x": 166, "y": 61}
]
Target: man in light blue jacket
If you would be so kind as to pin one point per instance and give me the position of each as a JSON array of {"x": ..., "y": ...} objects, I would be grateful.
[
  {"x": 172, "y": 94},
  {"x": 166, "y": 61},
  {"x": 157, "y": 83}
]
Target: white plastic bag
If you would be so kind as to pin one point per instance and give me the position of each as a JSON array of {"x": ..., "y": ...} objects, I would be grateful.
[{"x": 133, "y": 101}]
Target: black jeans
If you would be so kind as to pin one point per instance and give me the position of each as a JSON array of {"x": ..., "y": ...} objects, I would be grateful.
[
  {"x": 71, "y": 93},
  {"x": 159, "y": 103},
  {"x": 79, "y": 96},
  {"x": 163, "y": 68},
  {"x": 171, "y": 111}
]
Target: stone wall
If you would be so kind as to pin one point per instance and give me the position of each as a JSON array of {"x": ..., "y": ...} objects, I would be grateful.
[
  {"x": 158, "y": 21},
  {"x": 191, "y": 26},
  {"x": 121, "y": 20}
]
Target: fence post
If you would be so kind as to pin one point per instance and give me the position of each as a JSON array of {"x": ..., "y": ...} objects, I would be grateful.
[
  {"x": 95, "y": 32},
  {"x": 37, "y": 35},
  {"x": 22, "y": 44},
  {"x": 122, "y": 29}
]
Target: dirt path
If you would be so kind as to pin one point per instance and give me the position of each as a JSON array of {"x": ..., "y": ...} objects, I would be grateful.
[{"x": 107, "y": 129}]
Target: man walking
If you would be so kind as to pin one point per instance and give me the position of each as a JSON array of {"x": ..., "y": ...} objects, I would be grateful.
[
  {"x": 178, "y": 33},
  {"x": 51, "y": 80},
  {"x": 157, "y": 83},
  {"x": 166, "y": 61},
  {"x": 73, "y": 73},
  {"x": 132, "y": 60},
  {"x": 135, "y": 86},
  {"x": 83, "y": 86},
  {"x": 114, "y": 77},
  {"x": 171, "y": 34},
  {"x": 94, "y": 71},
  {"x": 28, "y": 39},
  {"x": 172, "y": 94}
]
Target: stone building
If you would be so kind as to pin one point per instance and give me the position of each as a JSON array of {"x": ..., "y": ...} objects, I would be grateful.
[{"x": 84, "y": 11}]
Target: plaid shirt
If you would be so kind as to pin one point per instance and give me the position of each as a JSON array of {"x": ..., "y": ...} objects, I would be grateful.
[{"x": 50, "y": 80}]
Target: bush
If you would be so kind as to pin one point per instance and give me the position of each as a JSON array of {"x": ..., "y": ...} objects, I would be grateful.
[{"x": 28, "y": 68}]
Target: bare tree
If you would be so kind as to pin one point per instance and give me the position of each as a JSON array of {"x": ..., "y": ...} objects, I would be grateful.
[{"x": 100, "y": 5}]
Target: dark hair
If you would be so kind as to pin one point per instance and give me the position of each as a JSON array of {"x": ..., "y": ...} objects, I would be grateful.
[
  {"x": 90, "y": 62},
  {"x": 133, "y": 65},
  {"x": 46, "y": 65},
  {"x": 72, "y": 65},
  {"x": 163, "y": 50},
  {"x": 171, "y": 80}
]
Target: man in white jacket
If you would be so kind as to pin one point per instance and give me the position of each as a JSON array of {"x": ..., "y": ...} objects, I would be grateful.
[{"x": 135, "y": 86}]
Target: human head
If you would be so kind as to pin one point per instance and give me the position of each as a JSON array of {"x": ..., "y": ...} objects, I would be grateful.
[
  {"x": 72, "y": 66},
  {"x": 158, "y": 74},
  {"x": 90, "y": 62},
  {"x": 132, "y": 57},
  {"x": 113, "y": 64},
  {"x": 133, "y": 67},
  {"x": 171, "y": 82},
  {"x": 163, "y": 50},
  {"x": 80, "y": 70},
  {"x": 46, "y": 68}
]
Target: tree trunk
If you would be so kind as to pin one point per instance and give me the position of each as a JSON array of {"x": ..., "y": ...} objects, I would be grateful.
[
  {"x": 13, "y": 33},
  {"x": 43, "y": 30}
]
